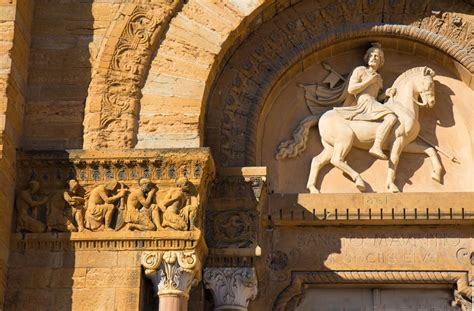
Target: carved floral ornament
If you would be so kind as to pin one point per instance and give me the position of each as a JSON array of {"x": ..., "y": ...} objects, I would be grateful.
[
  {"x": 172, "y": 272},
  {"x": 115, "y": 90},
  {"x": 231, "y": 287}
]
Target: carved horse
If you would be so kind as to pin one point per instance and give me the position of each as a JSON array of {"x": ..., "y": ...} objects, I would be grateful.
[{"x": 338, "y": 135}]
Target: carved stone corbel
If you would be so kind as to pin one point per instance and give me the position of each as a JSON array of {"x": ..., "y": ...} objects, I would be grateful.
[
  {"x": 232, "y": 288},
  {"x": 173, "y": 273}
]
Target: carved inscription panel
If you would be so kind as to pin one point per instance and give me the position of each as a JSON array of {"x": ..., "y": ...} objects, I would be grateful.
[{"x": 376, "y": 248}]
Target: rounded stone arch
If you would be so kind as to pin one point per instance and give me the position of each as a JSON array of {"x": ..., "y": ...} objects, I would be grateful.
[
  {"x": 173, "y": 90},
  {"x": 308, "y": 31}
]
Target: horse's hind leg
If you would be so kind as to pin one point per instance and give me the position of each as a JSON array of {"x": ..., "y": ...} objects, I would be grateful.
[
  {"x": 421, "y": 147},
  {"x": 341, "y": 150},
  {"x": 317, "y": 164},
  {"x": 393, "y": 160}
]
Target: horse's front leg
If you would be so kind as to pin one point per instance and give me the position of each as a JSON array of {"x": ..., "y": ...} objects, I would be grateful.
[
  {"x": 395, "y": 152},
  {"x": 422, "y": 147},
  {"x": 317, "y": 163}
]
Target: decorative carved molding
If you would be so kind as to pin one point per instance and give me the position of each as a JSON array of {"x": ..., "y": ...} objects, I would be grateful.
[
  {"x": 293, "y": 292},
  {"x": 231, "y": 287},
  {"x": 374, "y": 208},
  {"x": 111, "y": 117},
  {"x": 233, "y": 211},
  {"x": 172, "y": 272},
  {"x": 123, "y": 240},
  {"x": 89, "y": 167}
]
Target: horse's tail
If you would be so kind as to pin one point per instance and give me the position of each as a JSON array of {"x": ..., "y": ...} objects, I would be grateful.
[{"x": 293, "y": 147}]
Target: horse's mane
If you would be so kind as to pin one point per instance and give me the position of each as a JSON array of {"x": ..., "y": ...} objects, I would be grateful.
[{"x": 409, "y": 73}]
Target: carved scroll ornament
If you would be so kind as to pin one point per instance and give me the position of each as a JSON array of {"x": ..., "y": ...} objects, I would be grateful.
[
  {"x": 115, "y": 91},
  {"x": 172, "y": 272}
]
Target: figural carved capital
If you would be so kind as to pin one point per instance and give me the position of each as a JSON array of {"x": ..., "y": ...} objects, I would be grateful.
[
  {"x": 173, "y": 273},
  {"x": 232, "y": 288}
]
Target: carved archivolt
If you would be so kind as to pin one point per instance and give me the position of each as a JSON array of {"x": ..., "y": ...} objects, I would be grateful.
[
  {"x": 285, "y": 299},
  {"x": 115, "y": 89}
]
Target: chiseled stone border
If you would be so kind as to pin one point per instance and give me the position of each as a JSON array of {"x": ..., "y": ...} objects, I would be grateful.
[
  {"x": 121, "y": 240},
  {"x": 299, "y": 279}
]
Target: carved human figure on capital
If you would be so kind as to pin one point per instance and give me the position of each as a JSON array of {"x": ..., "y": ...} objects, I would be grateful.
[
  {"x": 66, "y": 209},
  {"x": 140, "y": 212},
  {"x": 27, "y": 205},
  {"x": 180, "y": 206},
  {"x": 363, "y": 121},
  {"x": 100, "y": 205}
]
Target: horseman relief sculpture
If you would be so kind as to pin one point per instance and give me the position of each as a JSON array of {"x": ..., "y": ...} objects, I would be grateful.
[{"x": 370, "y": 119}]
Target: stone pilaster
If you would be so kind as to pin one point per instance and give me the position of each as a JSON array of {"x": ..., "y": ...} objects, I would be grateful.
[
  {"x": 232, "y": 288},
  {"x": 173, "y": 273}
]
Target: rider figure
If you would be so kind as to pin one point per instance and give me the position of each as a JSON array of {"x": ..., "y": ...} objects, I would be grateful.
[{"x": 365, "y": 84}]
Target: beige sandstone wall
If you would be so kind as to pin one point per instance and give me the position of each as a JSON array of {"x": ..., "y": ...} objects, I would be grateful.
[
  {"x": 73, "y": 280},
  {"x": 15, "y": 23},
  {"x": 66, "y": 37},
  {"x": 187, "y": 61}
]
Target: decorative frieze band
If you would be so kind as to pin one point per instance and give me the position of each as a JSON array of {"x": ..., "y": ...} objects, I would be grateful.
[
  {"x": 138, "y": 190},
  {"x": 85, "y": 241},
  {"x": 373, "y": 208}
]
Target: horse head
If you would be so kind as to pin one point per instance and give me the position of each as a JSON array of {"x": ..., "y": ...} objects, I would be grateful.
[{"x": 425, "y": 88}]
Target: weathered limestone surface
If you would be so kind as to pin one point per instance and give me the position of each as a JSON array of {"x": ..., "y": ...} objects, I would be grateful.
[
  {"x": 107, "y": 279},
  {"x": 66, "y": 38},
  {"x": 15, "y": 24},
  {"x": 181, "y": 72}
]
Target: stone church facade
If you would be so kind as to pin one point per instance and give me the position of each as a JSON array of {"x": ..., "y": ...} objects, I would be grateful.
[{"x": 222, "y": 155}]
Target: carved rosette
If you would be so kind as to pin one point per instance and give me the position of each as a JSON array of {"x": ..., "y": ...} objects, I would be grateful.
[
  {"x": 173, "y": 273},
  {"x": 232, "y": 288}
]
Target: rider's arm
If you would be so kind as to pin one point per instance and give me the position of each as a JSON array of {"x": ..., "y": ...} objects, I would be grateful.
[{"x": 355, "y": 84}]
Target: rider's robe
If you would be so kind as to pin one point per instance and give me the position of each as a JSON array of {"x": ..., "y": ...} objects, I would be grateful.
[{"x": 365, "y": 107}]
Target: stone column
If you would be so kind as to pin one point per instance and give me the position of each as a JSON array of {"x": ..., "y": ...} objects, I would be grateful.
[
  {"x": 173, "y": 273},
  {"x": 232, "y": 288}
]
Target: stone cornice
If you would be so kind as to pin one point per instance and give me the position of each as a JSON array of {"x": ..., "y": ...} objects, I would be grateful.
[
  {"x": 161, "y": 240},
  {"x": 127, "y": 165},
  {"x": 373, "y": 208}
]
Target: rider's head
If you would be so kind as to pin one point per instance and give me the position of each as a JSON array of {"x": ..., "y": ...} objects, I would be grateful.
[{"x": 374, "y": 57}]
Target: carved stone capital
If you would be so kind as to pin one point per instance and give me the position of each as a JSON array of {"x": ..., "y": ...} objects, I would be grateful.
[
  {"x": 173, "y": 273},
  {"x": 232, "y": 288}
]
